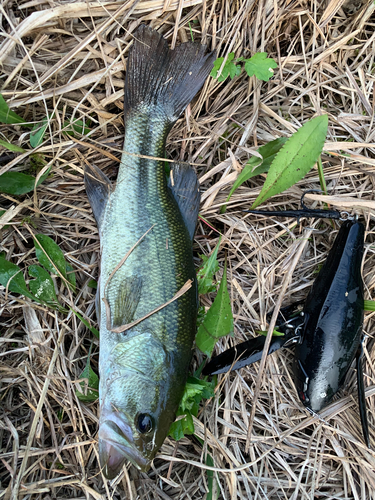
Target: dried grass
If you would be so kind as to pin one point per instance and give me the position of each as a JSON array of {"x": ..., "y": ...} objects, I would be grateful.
[{"x": 67, "y": 60}]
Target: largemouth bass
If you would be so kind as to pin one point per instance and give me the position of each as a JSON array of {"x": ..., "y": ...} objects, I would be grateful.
[{"x": 146, "y": 227}]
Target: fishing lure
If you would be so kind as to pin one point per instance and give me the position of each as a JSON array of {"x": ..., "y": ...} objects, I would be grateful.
[{"x": 327, "y": 334}]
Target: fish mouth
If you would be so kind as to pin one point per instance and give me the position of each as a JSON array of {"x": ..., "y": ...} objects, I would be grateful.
[{"x": 116, "y": 445}]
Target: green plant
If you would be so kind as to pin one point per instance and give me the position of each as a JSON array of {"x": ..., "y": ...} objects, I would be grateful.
[
  {"x": 88, "y": 388},
  {"x": 259, "y": 65},
  {"x": 256, "y": 166},
  {"x": 295, "y": 159},
  {"x": 41, "y": 289},
  {"x": 17, "y": 183},
  {"x": 286, "y": 161}
]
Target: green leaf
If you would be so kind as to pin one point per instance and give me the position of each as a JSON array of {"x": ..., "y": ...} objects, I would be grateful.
[
  {"x": 17, "y": 183},
  {"x": 195, "y": 390},
  {"x": 256, "y": 166},
  {"x": 275, "y": 333},
  {"x": 210, "y": 480},
  {"x": 229, "y": 69},
  {"x": 218, "y": 320},
  {"x": 71, "y": 277},
  {"x": 206, "y": 273},
  {"x": 37, "y": 133},
  {"x": 42, "y": 287},
  {"x": 369, "y": 305},
  {"x": 53, "y": 251},
  {"x": 92, "y": 284},
  {"x": 11, "y": 147},
  {"x": 86, "y": 323},
  {"x": 182, "y": 426},
  {"x": 9, "y": 116},
  {"x": 260, "y": 66},
  {"x": 294, "y": 160},
  {"x": 76, "y": 126},
  {"x": 17, "y": 284},
  {"x": 89, "y": 390}
]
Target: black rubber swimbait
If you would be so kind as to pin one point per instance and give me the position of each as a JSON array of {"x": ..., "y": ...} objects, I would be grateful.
[{"x": 331, "y": 329}]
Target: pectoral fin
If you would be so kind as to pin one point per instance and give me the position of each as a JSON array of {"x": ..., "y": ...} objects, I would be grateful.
[
  {"x": 126, "y": 301},
  {"x": 98, "y": 188},
  {"x": 184, "y": 185},
  {"x": 361, "y": 396}
]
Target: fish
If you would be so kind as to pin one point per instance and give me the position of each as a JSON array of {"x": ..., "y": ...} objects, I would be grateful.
[
  {"x": 327, "y": 334},
  {"x": 147, "y": 298}
]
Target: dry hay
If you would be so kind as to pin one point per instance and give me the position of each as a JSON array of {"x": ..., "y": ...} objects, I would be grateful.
[{"x": 67, "y": 60}]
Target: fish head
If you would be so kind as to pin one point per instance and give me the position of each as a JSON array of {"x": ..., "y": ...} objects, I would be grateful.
[{"x": 136, "y": 414}]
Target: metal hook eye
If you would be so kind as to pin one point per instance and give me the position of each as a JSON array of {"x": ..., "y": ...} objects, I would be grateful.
[{"x": 347, "y": 216}]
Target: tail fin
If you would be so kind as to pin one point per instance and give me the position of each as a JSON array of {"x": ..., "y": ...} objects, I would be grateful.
[{"x": 158, "y": 76}]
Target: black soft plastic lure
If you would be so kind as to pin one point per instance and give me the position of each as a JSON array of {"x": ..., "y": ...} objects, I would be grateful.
[{"x": 327, "y": 334}]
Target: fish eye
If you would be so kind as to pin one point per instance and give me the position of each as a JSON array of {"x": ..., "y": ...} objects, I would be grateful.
[{"x": 144, "y": 423}]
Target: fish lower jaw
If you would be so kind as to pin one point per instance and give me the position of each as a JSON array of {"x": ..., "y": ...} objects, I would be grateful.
[
  {"x": 116, "y": 446},
  {"x": 112, "y": 457}
]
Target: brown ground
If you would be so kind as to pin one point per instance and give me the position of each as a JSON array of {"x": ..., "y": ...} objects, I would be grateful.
[{"x": 67, "y": 60}]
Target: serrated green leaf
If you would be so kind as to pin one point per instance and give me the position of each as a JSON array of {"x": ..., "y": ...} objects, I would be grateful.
[
  {"x": 17, "y": 284},
  {"x": 298, "y": 155},
  {"x": 11, "y": 147},
  {"x": 53, "y": 251},
  {"x": 229, "y": 69},
  {"x": 90, "y": 387},
  {"x": 17, "y": 183},
  {"x": 206, "y": 273},
  {"x": 8, "y": 116},
  {"x": 195, "y": 387},
  {"x": 201, "y": 315},
  {"x": 256, "y": 166},
  {"x": 183, "y": 426},
  {"x": 218, "y": 321},
  {"x": 86, "y": 323},
  {"x": 260, "y": 66},
  {"x": 37, "y": 133},
  {"x": 42, "y": 287},
  {"x": 195, "y": 390}
]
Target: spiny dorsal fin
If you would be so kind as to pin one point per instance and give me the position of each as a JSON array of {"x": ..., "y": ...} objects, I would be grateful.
[
  {"x": 98, "y": 188},
  {"x": 185, "y": 188}
]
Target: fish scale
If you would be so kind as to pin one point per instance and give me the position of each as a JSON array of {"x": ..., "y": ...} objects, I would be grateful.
[{"x": 143, "y": 370}]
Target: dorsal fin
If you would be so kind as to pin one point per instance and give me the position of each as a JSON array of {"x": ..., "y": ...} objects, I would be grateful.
[{"x": 184, "y": 185}]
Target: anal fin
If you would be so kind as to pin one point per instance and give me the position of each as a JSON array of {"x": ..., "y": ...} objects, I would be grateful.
[
  {"x": 98, "y": 188},
  {"x": 184, "y": 185}
]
